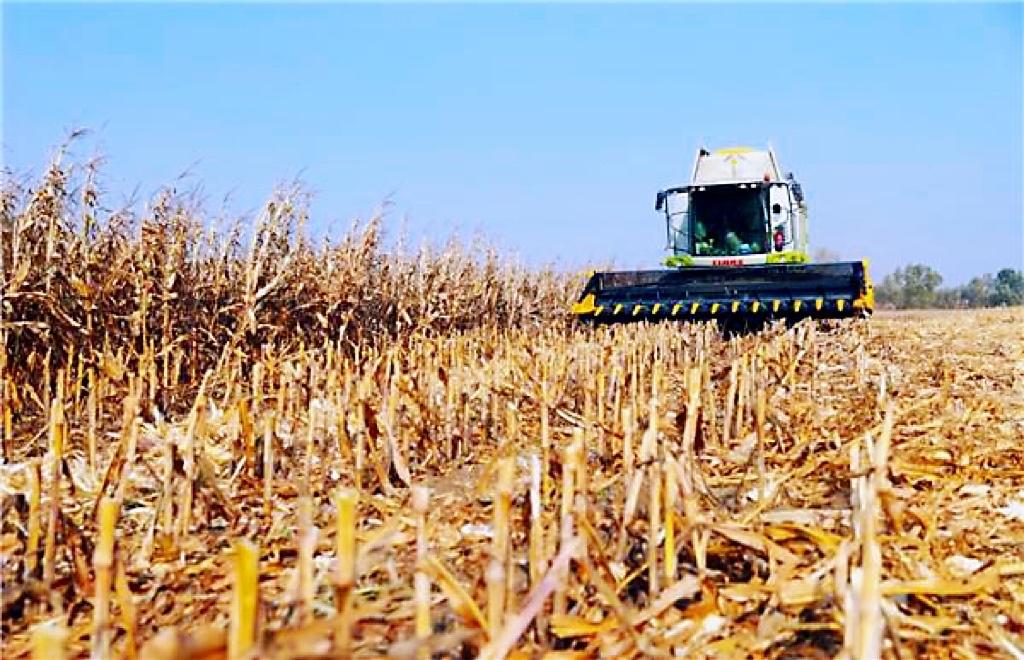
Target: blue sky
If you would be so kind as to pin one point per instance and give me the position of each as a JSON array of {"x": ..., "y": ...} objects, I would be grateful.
[{"x": 547, "y": 128}]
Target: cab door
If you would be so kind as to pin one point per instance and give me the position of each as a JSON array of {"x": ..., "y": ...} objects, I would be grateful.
[
  {"x": 677, "y": 215},
  {"x": 780, "y": 218}
]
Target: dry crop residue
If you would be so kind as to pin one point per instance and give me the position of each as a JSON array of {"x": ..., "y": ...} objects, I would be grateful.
[{"x": 626, "y": 492}]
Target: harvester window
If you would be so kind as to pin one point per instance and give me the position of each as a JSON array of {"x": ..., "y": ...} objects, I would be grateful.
[{"x": 728, "y": 221}]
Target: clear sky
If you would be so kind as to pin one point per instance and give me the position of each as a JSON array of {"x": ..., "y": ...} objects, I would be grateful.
[{"x": 547, "y": 128}]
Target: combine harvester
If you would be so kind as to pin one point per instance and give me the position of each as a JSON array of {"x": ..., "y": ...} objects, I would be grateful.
[{"x": 739, "y": 253}]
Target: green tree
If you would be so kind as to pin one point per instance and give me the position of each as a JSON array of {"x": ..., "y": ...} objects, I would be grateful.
[
  {"x": 951, "y": 298},
  {"x": 919, "y": 285},
  {"x": 978, "y": 291},
  {"x": 1008, "y": 288},
  {"x": 889, "y": 292},
  {"x": 911, "y": 287}
]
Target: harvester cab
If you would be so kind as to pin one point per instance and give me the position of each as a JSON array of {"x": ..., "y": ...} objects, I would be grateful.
[
  {"x": 736, "y": 211},
  {"x": 737, "y": 250}
]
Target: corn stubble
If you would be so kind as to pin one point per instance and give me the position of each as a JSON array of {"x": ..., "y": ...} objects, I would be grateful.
[{"x": 328, "y": 450}]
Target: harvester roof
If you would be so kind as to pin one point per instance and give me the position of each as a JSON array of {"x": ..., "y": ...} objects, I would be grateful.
[{"x": 734, "y": 165}]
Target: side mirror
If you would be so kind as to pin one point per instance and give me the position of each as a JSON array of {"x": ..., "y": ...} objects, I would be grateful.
[{"x": 659, "y": 200}]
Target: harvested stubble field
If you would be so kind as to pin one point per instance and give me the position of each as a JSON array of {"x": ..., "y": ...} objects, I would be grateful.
[{"x": 297, "y": 450}]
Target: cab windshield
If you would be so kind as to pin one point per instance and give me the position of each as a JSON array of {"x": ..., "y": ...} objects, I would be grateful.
[{"x": 727, "y": 221}]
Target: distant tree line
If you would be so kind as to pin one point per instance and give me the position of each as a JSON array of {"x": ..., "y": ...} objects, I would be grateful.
[{"x": 917, "y": 286}]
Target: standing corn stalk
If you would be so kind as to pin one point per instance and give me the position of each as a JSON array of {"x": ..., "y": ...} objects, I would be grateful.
[
  {"x": 420, "y": 503},
  {"x": 245, "y": 602},
  {"x": 345, "y": 549},
  {"x": 103, "y": 563}
]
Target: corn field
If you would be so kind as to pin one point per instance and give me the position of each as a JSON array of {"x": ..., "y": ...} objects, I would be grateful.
[
  {"x": 253, "y": 444},
  {"x": 80, "y": 280}
]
